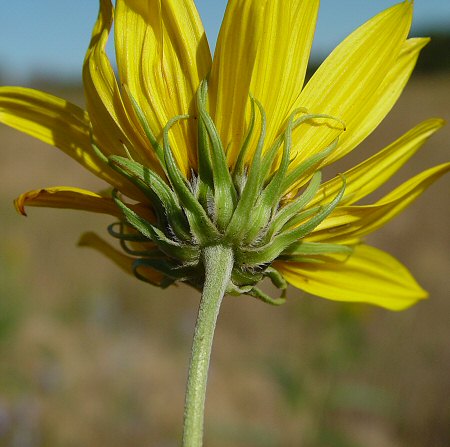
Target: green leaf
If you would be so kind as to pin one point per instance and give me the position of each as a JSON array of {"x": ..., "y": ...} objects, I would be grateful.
[
  {"x": 271, "y": 195},
  {"x": 169, "y": 269},
  {"x": 267, "y": 253},
  {"x": 310, "y": 251},
  {"x": 125, "y": 237},
  {"x": 166, "y": 282},
  {"x": 273, "y": 151},
  {"x": 276, "y": 278},
  {"x": 238, "y": 171},
  {"x": 272, "y": 192},
  {"x": 186, "y": 253},
  {"x": 205, "y": 169},
  {"x": 295, "y": 174},
  {"x": 161, "y": 193},
  {"x": 262, "y": 296},
  {"x": 317, "y": 248},
  {"x": 225, "y": 196},
  {"x": 241, "y": 277},
  {"x": 303, "y": 230},
  {"x": 97, "y": 150},
  {"x": 293, "y": 208},
  {"x": 236, "y": 229},
  {"x": 200, "y": 223},
  {"x": 121, "y": 235}
]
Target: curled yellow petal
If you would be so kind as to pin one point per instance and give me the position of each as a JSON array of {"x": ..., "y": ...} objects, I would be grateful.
[
  {"x": 123, "y": 261},
  {"x": 369, "y": 276},
  {"x": 68, "y": 198}
]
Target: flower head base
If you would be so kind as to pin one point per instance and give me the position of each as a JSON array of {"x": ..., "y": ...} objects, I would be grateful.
[
  {"x": 215, "y": 205},
  {"x": 229, "y": 151}
]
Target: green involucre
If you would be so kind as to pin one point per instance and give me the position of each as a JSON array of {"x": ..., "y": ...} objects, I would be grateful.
[{"x": 242, "y": 207}]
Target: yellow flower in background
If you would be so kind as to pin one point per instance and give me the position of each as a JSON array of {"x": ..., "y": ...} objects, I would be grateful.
[{"x": 203, "y": 151}]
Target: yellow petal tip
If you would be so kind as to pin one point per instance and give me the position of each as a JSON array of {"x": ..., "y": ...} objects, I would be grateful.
[{"x": 20, "y": 202}]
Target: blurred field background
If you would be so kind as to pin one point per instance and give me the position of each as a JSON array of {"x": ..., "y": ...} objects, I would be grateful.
[{"x": 92, "y": 357}]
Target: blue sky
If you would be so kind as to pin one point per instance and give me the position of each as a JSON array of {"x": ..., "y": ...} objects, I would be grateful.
[{"x": 37, "y": 37}]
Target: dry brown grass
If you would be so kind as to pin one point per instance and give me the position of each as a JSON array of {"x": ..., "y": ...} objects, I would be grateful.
[{"x": 92, "y": 357}]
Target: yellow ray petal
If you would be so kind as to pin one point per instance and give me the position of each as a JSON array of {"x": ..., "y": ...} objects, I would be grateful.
[
  {"x": 358, "y": 221},
  {"x": 350, "y": 76},
  {"x": 372, "y": 111},
  {"x": 369, "y": 276},
  {"x": 69, "y": 198},
  {"x": 369, "y": 175},
  {"x": 113, "y": 127},
  {"x": 60, "y": 123},
  {"x": 100, "y": 84},
  {"x": 282, "y": 59},
  {"x": 162, "y": 61},
  {"x": 415, "y": 186},
  {"x": 121, "y": 260},
  {"x": 231, "y": 74},
  {"x": 52, "y": 120}
]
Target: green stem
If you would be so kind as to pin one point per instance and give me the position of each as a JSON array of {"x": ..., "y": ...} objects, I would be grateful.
[{"x": 218, "y": 263}]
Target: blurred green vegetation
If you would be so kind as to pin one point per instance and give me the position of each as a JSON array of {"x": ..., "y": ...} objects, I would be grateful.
[{"x": 435, "y": 57}]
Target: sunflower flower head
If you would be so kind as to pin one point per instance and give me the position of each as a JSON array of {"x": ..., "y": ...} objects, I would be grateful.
[
  {"x": 229, "y": 151},
  {"x": 244, "y": 206}
]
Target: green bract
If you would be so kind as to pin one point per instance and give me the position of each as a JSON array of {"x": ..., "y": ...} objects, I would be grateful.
[{"x": 242, "y": 208}]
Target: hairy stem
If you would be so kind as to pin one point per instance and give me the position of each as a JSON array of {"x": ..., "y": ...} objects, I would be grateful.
[{"x": 218, "y": 263}]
